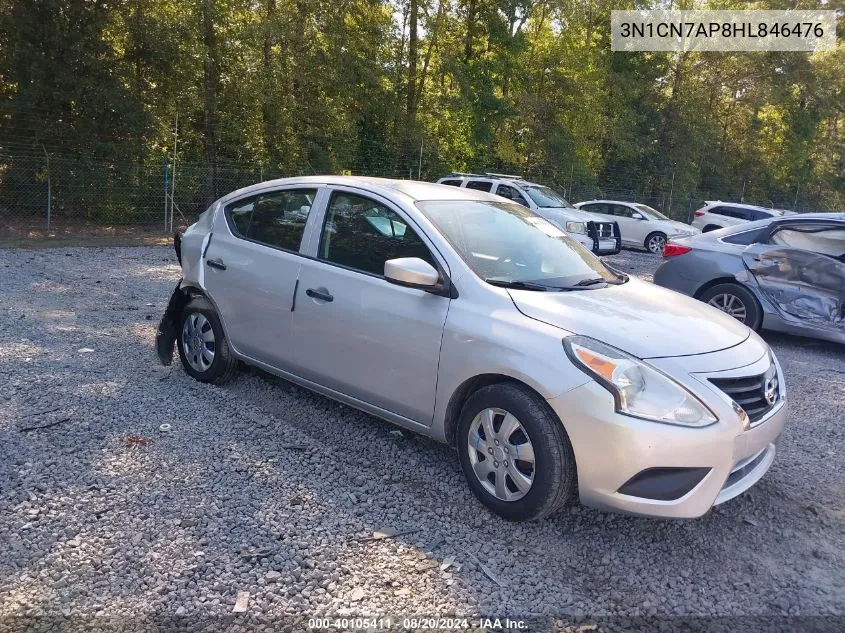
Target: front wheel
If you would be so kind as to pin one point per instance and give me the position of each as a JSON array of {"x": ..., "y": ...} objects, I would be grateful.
[
  {"x": 655, "y": 243},
  {"x": 736, "y": 301},
  {"x": 515, "y": 453}
]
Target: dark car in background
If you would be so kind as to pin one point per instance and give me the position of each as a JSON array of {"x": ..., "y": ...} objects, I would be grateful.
[{"x": 785, "y": 274}]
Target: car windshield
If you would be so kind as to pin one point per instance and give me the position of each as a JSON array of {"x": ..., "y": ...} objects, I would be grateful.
[
  {"x": 506, "y": 244},
  {"x": 646, "y": 210},
  {"x": 546, "y": 197}
]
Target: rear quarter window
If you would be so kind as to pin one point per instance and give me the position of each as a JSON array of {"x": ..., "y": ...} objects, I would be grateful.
[
  {"x": 745, "y": 238},
  {"x": 451, "y": 182},
  {"x": 480, "y": 185}
]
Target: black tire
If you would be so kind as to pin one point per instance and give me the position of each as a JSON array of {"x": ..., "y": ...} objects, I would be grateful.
[
  {"x": 753, "y": 311},
  {"x": 224, "y": 365},
  {"x": 710, "y": 227},
  {"x": 555, "y": 479},
  {"x": 648, "y": 242}
]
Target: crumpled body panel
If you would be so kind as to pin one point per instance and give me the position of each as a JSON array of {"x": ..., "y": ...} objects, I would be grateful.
[{"x": 801, "y": 285}]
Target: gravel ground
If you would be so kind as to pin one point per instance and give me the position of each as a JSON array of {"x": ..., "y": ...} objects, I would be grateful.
[{"x": 263, "y": 487}]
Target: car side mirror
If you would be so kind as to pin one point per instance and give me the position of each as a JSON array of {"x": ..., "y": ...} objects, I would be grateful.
[
  {"x": 638, "y": 216},
  {"x": 411, "y": 272}
]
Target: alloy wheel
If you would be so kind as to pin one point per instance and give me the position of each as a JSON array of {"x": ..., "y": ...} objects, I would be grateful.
[
  {"x": 501, "y": 454},
  {"x": 656, "y": 244},
  {"x": 730, "y": 304},
  {"x": 198, "y": 342}
]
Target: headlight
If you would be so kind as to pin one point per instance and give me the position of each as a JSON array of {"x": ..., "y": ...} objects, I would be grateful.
[
  {"x": 640, "y": 390},
  {"x": 576, "y": 227}
]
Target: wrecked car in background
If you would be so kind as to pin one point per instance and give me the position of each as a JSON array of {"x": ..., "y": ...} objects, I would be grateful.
[{"x": 785, "y": 274}]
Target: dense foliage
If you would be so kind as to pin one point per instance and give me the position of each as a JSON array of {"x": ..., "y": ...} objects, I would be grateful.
[{"x": 399, "y": 87}]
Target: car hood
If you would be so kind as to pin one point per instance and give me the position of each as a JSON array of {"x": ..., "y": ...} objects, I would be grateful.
[{"x": 637, "y": 317}]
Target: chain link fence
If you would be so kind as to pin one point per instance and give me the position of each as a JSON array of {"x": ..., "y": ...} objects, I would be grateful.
[{"x": 47, "y": 192}]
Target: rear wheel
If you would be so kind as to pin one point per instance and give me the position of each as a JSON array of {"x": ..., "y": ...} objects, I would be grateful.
[
  {"x": 203, "y": 347},
  {"x": 736, "y": 301},
  {"x": 515, "y": 453}
]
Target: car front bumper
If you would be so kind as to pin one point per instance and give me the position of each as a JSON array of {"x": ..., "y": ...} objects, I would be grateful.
[{"x": 660, "y": 470}]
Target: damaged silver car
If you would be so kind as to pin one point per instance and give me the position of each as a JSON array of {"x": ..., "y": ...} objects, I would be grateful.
[
  {"x": 785, "y": 274},
  {"x": 472, "y": 320}
]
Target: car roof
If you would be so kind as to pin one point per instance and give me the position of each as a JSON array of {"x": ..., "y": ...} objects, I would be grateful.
[
  {"x": 787, "y": 219},
  {"x": 491, "y": 177},
  {"x": 741, "y": 205},
  {"x": 413, "y": 190},
  {"x": 836, "y": 216},
  {"x": 611, "y": 201}
]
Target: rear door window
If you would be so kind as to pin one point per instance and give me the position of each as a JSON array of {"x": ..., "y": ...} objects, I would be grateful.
[
  {"x": 275, "y": 218},
  {"x": 598, "y": 207},
  {"x": 745, "y": 238},
  {"x": 724, "y": 211},
  {"x": 451, "y": 182},
  {"x": 742, "y": 214},
  {"x": 480, "y": 185},
  {"x": 511, "y": 193}
]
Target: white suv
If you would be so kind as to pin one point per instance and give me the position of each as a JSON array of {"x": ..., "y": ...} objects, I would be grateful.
[
  {"x": 598, "y": 234},
  {"x": 716, "y": 214}
]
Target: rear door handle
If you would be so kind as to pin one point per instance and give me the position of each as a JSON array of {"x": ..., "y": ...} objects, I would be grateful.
[
  {"x": 216, "y": 263},
  {"x": 321, "y": 294}
]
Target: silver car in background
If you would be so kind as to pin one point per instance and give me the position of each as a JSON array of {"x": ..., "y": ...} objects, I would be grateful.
[
  {"x": 470, "y": 319},
  {"x": 785, "y": 274}
]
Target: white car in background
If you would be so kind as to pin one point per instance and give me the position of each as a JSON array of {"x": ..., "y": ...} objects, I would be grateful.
[
  {"x": 599, "y": 235},
  {"x": 641, "y": 225},
  {"x": 716, "y": 214}
]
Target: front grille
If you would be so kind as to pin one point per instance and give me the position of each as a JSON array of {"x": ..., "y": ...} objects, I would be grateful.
[
  {"x": 601, "y": 230},
  {"x": 757, "y": 395}
]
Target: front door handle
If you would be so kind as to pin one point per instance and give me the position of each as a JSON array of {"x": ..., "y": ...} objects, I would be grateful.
[
  {"x": 319, "y": 293},
  {"x": 216, "y": 263}
]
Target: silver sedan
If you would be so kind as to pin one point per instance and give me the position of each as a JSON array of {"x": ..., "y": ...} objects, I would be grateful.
[
  {"x": 470, "y": 319},
  {"x": 785, "y": 274}
]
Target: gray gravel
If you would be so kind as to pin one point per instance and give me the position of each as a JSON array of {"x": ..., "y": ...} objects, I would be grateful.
[{"x": 263, "y": 487}]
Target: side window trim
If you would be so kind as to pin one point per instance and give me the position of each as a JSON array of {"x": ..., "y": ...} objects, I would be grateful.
[
  {"x": 330, "y": 190},
  {"x": 315, "y": 208}
]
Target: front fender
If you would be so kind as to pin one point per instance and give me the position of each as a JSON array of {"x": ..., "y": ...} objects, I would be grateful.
[{"x": 168, "y": 327}]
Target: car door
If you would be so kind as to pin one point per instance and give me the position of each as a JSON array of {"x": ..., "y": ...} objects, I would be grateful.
[
  {"x": 639, "y": 228},
  {"x": 251, "y": 266},
  {"x": 353, "y": 331},
  {"x": 630, "y": 228},
  {"x": 800, "y": 268}
]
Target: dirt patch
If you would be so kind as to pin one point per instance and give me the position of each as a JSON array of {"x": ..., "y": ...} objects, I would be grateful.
[{"x": 33, "y": 234}]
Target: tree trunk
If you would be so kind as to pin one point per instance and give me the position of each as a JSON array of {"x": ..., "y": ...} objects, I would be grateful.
[
  {"x": 211, "y": 77},
  {"x": 472, "y": 11},
  {"x": 268, "y": 110},
  {"x": 413, "y": 55}
]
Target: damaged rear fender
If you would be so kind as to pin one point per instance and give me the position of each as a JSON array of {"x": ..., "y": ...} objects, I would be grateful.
[{"x": 168, "y": 328}]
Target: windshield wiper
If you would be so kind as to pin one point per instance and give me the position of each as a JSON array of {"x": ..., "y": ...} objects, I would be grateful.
[
  {"x": 590, "y": 282},
  {"x": 621, "y": 277},
  {"x": 517, "y": 285}
]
